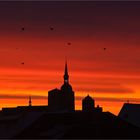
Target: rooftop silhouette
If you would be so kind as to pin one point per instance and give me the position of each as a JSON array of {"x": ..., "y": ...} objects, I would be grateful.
[{"x": 59, "y": 119}]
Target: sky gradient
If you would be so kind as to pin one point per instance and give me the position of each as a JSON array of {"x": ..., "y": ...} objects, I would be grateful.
[{"x": 111, "y": 76}]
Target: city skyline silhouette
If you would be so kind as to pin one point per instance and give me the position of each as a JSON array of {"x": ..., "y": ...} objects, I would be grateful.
[
  {"x": 69, "y": 69},
  {"x": 60, "y": 120},
  {"x": 99, "y": 39}
]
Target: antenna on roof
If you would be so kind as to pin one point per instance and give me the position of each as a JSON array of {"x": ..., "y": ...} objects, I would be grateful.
[
  {"x": 128, "y": 101},
  {"x": 30, "y": 101}
]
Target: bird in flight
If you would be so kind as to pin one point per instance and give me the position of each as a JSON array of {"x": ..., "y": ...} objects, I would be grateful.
[
  {"x": 51, "y": 28},
  {"x": 22, "y": 63},
  {"x": 22, "y": 28},
  {"x": 68, "y": 43}
]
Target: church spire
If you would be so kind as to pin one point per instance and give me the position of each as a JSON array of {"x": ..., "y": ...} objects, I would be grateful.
[
  {"x": 66, "y": 76},
  {"x": 30, "y": 101}
]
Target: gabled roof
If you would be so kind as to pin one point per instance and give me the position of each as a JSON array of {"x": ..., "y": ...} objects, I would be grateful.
[
  {"x": 54, "y": 90},
  {"x": 131, "y": 113}
]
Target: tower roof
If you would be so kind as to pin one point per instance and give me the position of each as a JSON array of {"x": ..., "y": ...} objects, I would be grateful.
[
  {"x": 66, "y": 76},
  {"x": 88, "y": 98}
]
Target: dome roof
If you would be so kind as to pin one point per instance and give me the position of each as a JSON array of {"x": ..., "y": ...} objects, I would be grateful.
[
  {"x": 88, "y": 98},
  {"x": 66, "y": 87}
]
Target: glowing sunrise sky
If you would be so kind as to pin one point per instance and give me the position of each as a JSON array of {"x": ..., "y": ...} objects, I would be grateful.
[{"x": 111, "y": 76}]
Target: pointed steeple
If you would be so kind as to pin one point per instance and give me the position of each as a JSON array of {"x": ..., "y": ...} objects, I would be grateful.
[
  {"x": 66, "y": 76},
  {"x": 30, "y": 101}
]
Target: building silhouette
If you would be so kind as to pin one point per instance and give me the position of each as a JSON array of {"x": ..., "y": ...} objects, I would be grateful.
[
  {"x": 63, "y": 99},
  {"x": 88, "y": 104},
  {"x": 60, "y": 120},
  {"x": 130, "y": 112}
]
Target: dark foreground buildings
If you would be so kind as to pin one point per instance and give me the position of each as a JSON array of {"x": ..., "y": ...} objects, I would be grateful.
[{"x": 60, "y": 119}]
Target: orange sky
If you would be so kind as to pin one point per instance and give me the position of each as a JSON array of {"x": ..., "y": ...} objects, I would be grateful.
[{"x": 111, "y": 76}]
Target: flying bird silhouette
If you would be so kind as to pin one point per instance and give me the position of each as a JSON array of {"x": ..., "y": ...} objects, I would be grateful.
[
  {"x": 69, "y": 43},
  {"x": 22, "y": 28},
  {"x": 51, "y": 28},
  {"x": 22, "y": 63}
]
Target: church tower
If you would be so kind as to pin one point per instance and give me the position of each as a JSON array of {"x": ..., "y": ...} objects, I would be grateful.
[
  {"x": 63, "y": 99},
  {"x": 66, "y": 76},
  {"x": 67, "y": 92}
]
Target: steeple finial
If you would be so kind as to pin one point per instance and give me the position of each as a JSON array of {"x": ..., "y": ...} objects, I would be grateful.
[
  {"x": 66, "y": 76},
  {"x": 30, "y": 101}
]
